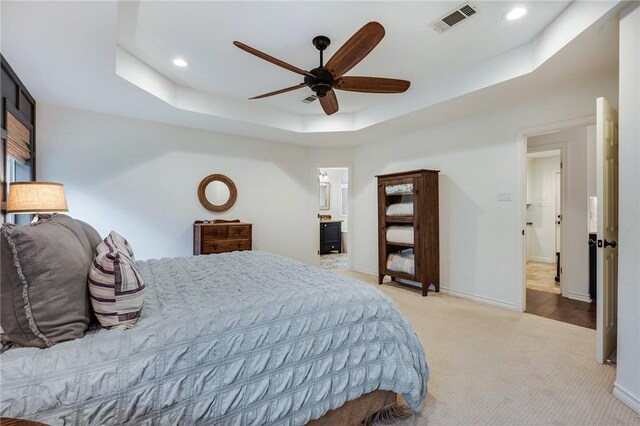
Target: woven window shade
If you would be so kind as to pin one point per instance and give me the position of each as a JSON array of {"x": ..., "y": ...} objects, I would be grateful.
[{"x": 18, "y": 140}]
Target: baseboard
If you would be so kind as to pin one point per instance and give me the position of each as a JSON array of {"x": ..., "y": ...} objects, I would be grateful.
[
  {"x": 458, "y": 293},
  {"x": 579, "y": 296},
  {"x": 626, "y": 397},
  {"x": 542, "y": 259},
  {"x": 481, "y": 299},
  {"x": 365, "y": 271}
]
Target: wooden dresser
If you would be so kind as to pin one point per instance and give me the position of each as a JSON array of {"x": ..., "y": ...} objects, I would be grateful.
[{"x": 220, "y": 237}]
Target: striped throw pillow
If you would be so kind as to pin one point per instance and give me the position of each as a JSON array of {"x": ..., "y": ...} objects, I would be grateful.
[
  {"x": 115, "y": 241},
  {"x": 116, "y": 287}
]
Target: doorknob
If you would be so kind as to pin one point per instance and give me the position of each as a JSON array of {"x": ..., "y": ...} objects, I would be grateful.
[{"x": 613, "y": 244}]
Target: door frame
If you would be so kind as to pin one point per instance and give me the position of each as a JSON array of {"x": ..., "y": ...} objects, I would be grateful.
[
  {"x": 558, "y": 179},
  {"x": 521, "y": 182},
  {"x": 316, "y": 233}
]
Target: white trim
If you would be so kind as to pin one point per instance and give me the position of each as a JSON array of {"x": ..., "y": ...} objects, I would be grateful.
[
  {"x": 579, "y": 296},
  {"x": 481, "y": 299},
  {"x": 365, "y": 271},
  {"x": 542, "y": 259},
  {"x": 555, "y": 127},
  {"x": 521, "y": 199},
  {"x": 461, "y": 294},
  {"x": 626, "y": 397}
]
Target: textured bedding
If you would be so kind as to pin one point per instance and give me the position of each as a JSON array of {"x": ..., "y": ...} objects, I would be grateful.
[
  {"x": 236, "y": 338},
  {"x": 400, "y": 209},
  {"x": 402, "y": 261},
  {"x": 400, "y": 234}
]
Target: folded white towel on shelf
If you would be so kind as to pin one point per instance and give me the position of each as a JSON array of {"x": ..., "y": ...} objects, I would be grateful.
[
  {"x": 400, "y": 209},
  {"x": 400, "y": 234}
]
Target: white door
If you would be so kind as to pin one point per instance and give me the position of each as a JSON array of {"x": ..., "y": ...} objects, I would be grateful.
[
  {"x": 607, "y": 189},
  {"x": 558, "y": 222}
]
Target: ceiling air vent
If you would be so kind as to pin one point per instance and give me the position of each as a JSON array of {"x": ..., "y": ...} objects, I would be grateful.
[
  {"x": 310, "y": 99},
  {"x": 453, "y": 18}
]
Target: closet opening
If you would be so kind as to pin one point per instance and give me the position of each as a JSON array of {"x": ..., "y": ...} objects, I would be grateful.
[{"x": 333, "y": 208}]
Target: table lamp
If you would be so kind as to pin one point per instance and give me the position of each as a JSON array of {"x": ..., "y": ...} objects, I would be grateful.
[{"x": 36, "y": 197}]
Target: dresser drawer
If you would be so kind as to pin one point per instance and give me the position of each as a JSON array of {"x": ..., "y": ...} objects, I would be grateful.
[
  {"x": 215, "y": 232},
  {"x": 221, "y": 246},
  {"x": 327, "y": 247},
  {"x": 221, "y": 237},
  {"x": 239, "y": 231}
]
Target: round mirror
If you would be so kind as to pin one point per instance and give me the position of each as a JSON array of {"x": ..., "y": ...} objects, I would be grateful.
[{"x": 217, "y": 193}]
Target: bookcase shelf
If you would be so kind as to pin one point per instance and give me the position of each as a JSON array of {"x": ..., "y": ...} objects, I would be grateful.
[{"x": 425, "y": 224}]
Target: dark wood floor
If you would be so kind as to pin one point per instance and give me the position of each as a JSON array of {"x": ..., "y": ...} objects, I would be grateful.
[{"x": 554, "y": 306}]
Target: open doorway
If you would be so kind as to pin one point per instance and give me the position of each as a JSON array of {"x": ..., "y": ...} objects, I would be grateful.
[
  {"x": 543, "y": 215},
  {"x": 560, "y": 178},
  {"x": 333, "y": 216}
]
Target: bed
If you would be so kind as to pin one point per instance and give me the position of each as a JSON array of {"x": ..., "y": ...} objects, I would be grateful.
[{"x": 237, "y": 338}]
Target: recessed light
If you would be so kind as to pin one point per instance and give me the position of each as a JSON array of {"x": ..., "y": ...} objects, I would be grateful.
[
  {"x": 516, "y": 13},
  {"x": 179, "y": 62}
]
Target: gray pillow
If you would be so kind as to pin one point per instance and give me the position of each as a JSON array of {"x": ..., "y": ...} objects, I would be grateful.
[
  {"x": 92, "y": 235},
  {"x": 43, "y": 289}
]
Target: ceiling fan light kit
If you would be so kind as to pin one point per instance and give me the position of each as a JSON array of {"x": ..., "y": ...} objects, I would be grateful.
[{"x": 325, "y": 78}]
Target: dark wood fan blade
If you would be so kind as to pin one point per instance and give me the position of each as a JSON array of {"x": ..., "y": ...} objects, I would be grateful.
[
  {"x": 329, "y": 102},
  {"x": 355, "y": 49},
  {"x": 277, "y": 92},
  {"x": 372, "y": 84},
  {"x": 271, "y": 59}
]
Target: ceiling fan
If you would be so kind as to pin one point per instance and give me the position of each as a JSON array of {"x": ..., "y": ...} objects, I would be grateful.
[{"x": 324, "y": 79}]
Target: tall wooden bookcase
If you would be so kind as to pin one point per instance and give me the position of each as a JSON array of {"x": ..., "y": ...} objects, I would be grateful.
[{"x": 425, "y": 222}]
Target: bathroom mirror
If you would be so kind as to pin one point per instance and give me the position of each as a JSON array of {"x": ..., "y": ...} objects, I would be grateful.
[
  {"x": 323, "y": 196},
  {"x": 217, "y": 193}
]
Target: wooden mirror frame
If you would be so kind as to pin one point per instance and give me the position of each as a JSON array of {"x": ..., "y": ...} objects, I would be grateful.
[{"x": 202, "y": 195}]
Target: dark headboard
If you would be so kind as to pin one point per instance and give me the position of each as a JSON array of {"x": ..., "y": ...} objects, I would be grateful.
[{"x": 17, "y": 99}]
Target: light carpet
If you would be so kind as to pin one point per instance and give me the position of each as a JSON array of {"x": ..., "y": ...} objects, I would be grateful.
[{"x": 492, "y": 366}]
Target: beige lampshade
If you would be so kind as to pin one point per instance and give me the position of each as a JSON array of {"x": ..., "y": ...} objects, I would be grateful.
[{"x": 36, "y": 197}]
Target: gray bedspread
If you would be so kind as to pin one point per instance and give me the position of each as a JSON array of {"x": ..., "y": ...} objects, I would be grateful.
[{"x": 238, "y": 338}]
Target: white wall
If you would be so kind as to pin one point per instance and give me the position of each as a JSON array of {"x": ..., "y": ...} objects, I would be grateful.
[
  {"x": 480, "y": 237},
  {"x": 575, "y": 223},
  {"x": 627, "y": 386},
  {"x": 140, "y": 179},
  {"x": 541, "y": 241}
]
